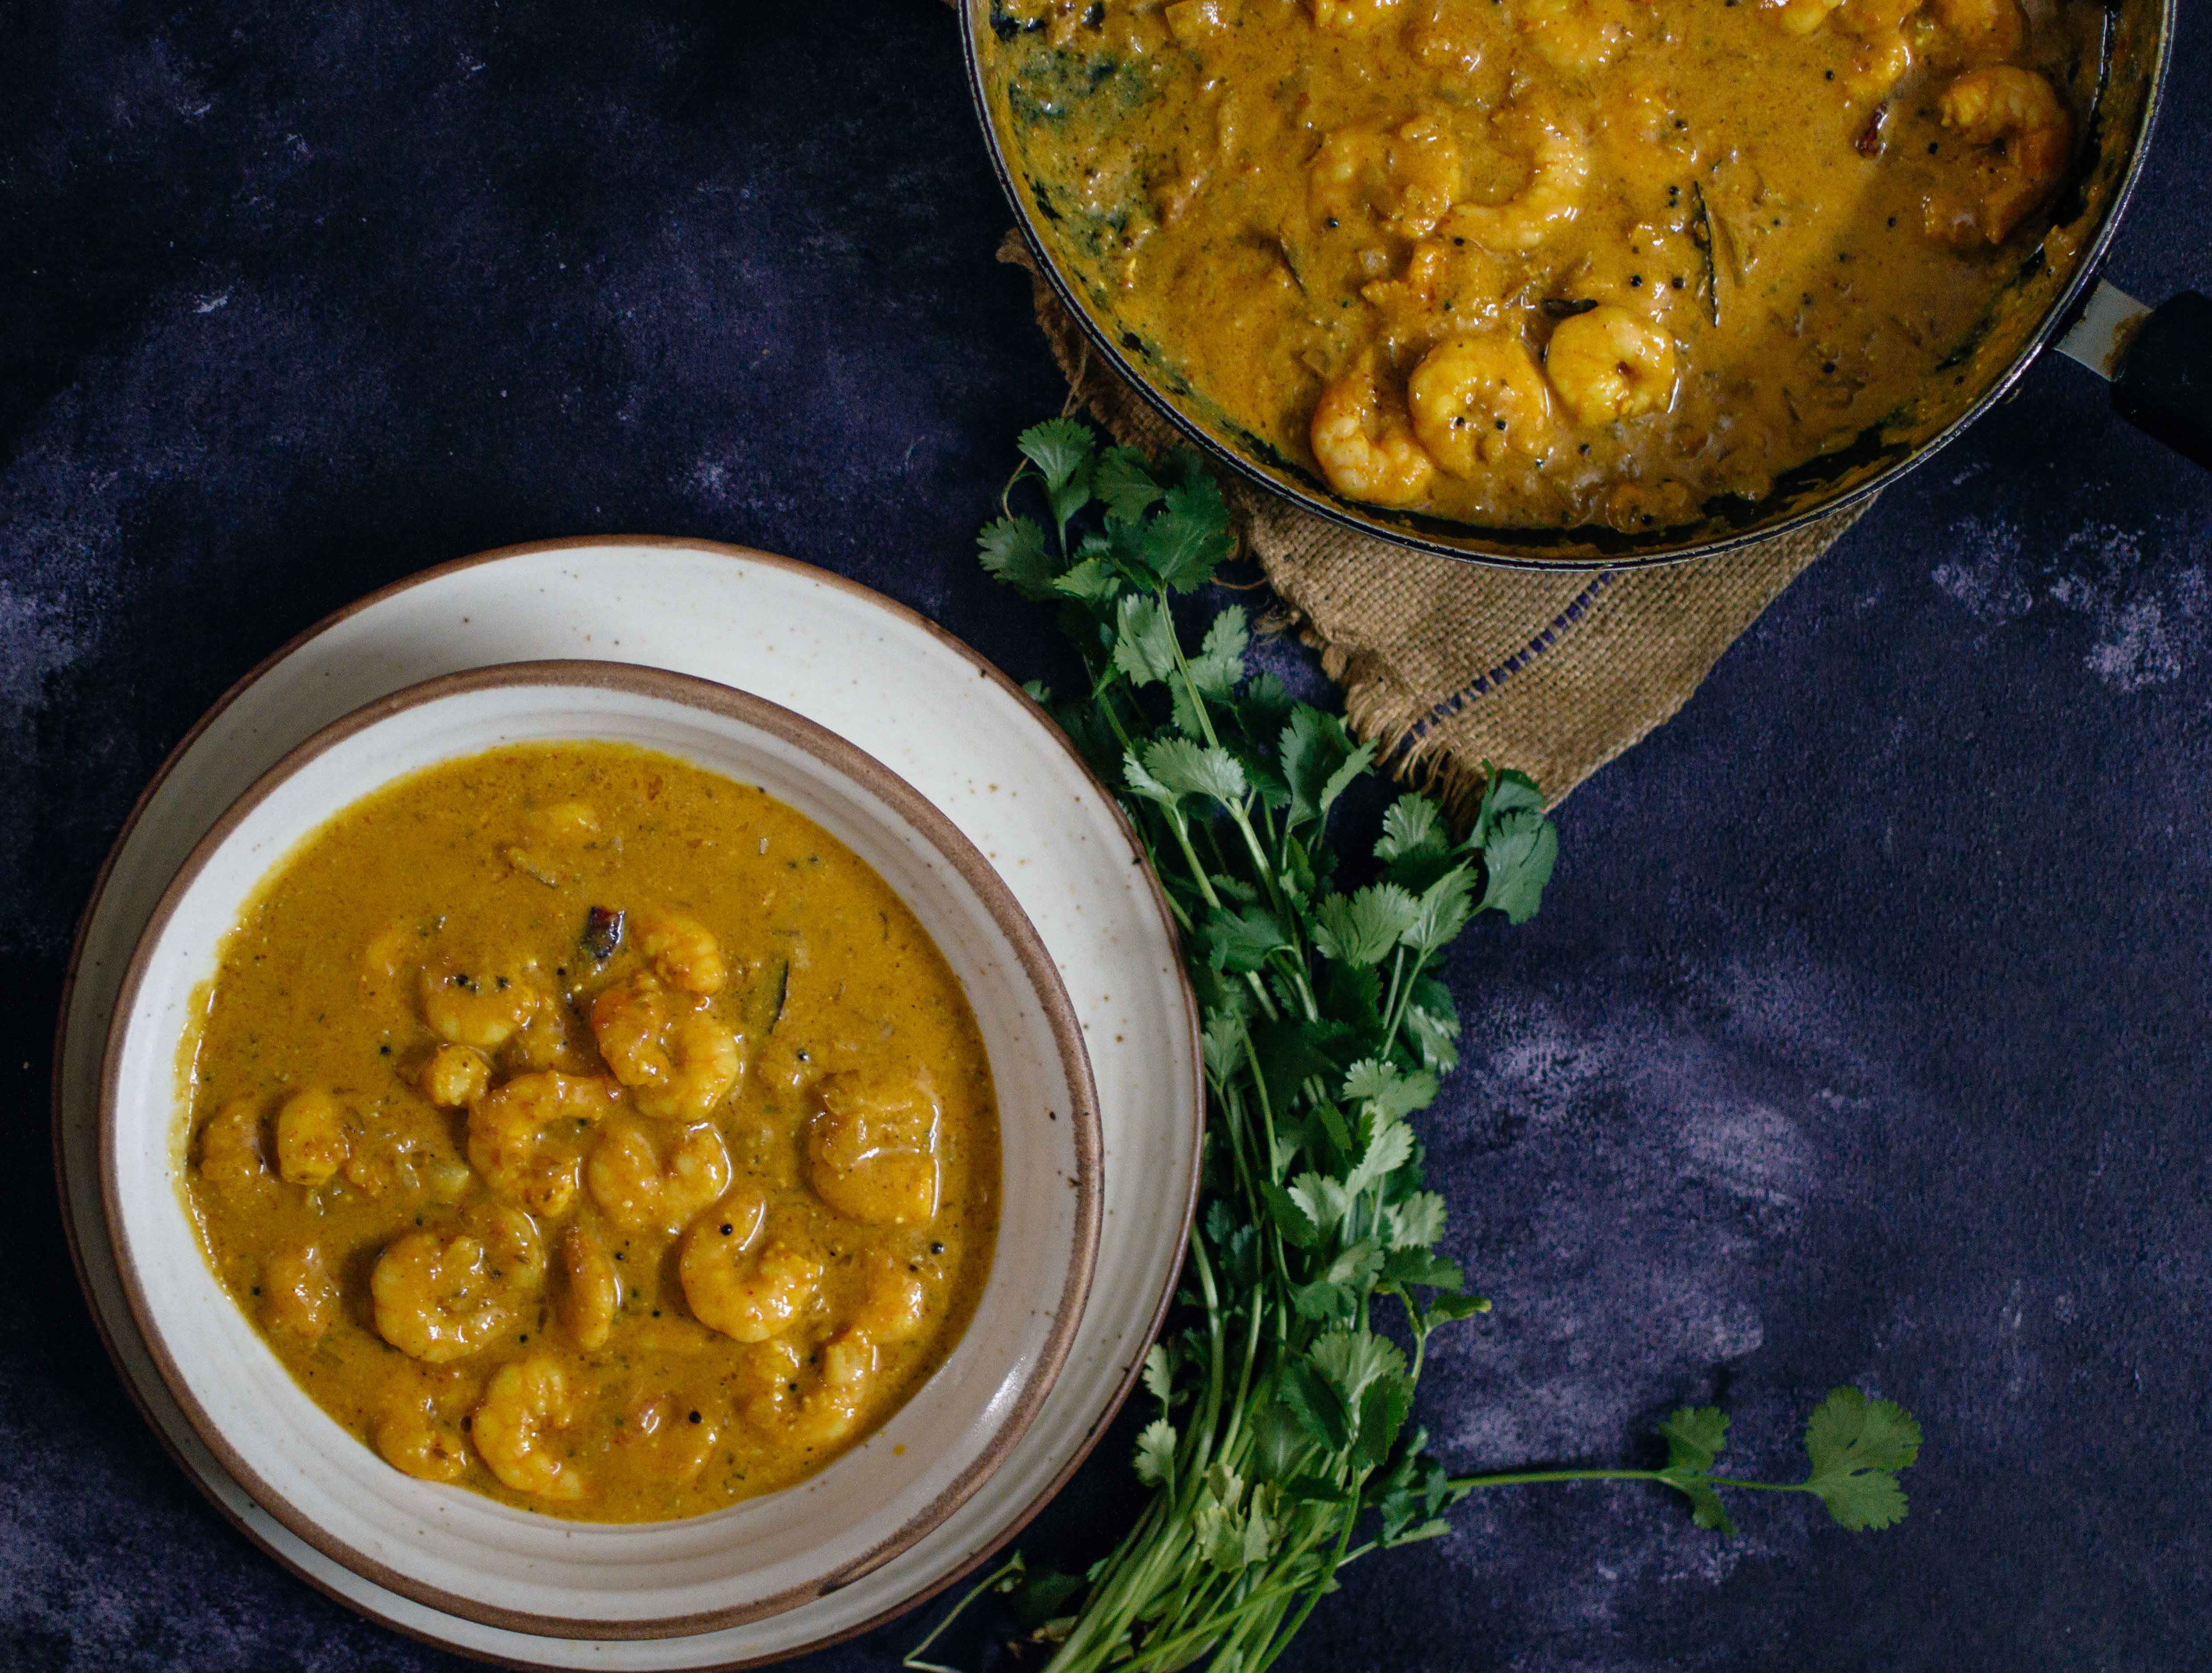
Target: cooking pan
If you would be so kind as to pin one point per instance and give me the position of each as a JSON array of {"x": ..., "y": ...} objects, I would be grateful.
[{"x": 2158, "y": 361}]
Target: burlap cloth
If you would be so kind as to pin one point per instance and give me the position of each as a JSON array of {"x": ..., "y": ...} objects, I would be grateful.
[{"x": 1446, "y": 665}]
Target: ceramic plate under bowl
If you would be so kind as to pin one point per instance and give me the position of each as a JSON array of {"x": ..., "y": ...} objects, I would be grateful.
[
  {"x": 471, "y": 1555},
  {"x": 873, "y": 672}
]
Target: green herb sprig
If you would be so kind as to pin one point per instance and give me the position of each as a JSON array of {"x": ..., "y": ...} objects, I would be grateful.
[{"x": 1281, "y": 1449}]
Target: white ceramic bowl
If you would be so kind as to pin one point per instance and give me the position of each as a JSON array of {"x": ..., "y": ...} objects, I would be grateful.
[{"x": 468, "y": 1556}]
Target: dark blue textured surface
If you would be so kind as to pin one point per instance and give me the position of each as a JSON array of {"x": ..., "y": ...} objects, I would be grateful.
[{"x": 1863, "y": 1035}]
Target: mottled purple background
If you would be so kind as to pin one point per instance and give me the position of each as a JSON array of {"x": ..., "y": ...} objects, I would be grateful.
[{"x": 1863, "y": 1035}]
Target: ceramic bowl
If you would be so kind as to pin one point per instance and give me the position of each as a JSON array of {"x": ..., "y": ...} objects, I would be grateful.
[{"x": 471, "y": 1556}]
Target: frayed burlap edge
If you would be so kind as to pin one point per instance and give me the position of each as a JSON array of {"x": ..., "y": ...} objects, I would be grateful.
[{"x": 1448, "y": 667}]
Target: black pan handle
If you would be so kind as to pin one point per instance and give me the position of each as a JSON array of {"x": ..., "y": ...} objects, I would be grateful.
[{"x": 2159, "y": 360}]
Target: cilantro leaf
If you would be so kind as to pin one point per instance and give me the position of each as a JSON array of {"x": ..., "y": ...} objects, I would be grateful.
[
  {"x": 1189, "y": 538},
  {"x": 1857, "y": 1446},
  {"x": 1518, "y": 844},
  {"x": 1125, "y": 482},
  {"x": 1313, "y": 1401},
  {"x": 1694, "y": 1437},
  {"x": 1090, "y": 581},
  {"x": 1411, "y": 824},
  {"x": 1156, "y": 1451},
  {"x": 1190, "y": 769},
  {"x": 1361, "y": 928},
  {"x": 1387, "y": 1089},
  {"x": 1351, "y": 1360},
  {"x": 1241, "y": 941},
  {"x": 1159, "y": 1374},
  {"x": 1061, "y": 449},
  {"x": 1144, "y": 640},
  {"x": 1445, "y": 907},
  {"x": 1013, "y": 549},
  {"x": 1417, "y": 1222},
  {"x": 1220, "y": 663}
]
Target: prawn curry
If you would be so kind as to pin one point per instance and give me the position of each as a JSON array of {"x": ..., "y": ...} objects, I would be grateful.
[
  {"x": 1547, "y": 262},
  {"x": 592, "y": 1131}
]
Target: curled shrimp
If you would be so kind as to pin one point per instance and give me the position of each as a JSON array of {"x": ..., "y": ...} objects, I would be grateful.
[
  {"x": 1353, "y": 17},
  {"x": 233, "y": 1158},
  {"x": 1882, "y": 56},
  {"x": 438, "y": 1297},
  {"x": 1558, "y": 172},
  {"x": 526, "y": 1399},
  {"x": 526, "y": 1137},
  {"x": 1408, "y": 176},
  {"x": 628, "y": 1179},
  {"x": 591, "y": 1291},
  {"x": 456, "y": 1076},
  {"x": 818, "y": 1400},
  {"x": 478, "y": 1005},
  {"x": 2026, "y": 135},
  {"x": 1611, "y": 363},
  {"x": 1799, "y": 17},
  {"x": 678, "y": 1062},
  {"x": 1366, "y": 447},
  {"x": 679, "y": 1437},
  {"x": 1976, "y": 31},
  {"x": 312, "y": 1143},
  {"x": 683, "y": 950},
  {"x": 747, "y": 1285},
  {"x": 894, "y": 1305},
  {"x": 296, "y": 1291},
  {"x": 1473, "y": 398},
  {"x": 1576, "y": 36},
  {"x": 413, "y": 1442},
  {"x": 872, "y": 1146}
]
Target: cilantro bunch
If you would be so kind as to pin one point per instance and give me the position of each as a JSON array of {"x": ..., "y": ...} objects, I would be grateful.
[{"x": 1281, "y": 1449}]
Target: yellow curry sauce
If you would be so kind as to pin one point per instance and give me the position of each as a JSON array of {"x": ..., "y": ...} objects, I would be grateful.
[
  {"x": 593, "y": 1132},
  {"x": 1543, "y": 262}
]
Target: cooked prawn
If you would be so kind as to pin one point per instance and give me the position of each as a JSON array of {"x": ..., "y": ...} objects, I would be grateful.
[
  {"x": 680, "y": 1436},
  {"x": 823, "y": 1407},
  {"x": 296, "y": 1291},
  {"x": 748, "y": 1287},
  {"x": 1473, "y": 398},
  {"x": 439, "y": 1298},
  {"x": 1366, "y": 448},
  {"x": 1977, "y": 32},
  {"x": 591, "y": 1291},
  {"x": 1558, "y": 172},
  {"x": 524, "y": 1399},
  {"x": 1799, "y": 17},
  {"x": 628, "y": 1179},
  {"x": 2027, "y": 135},
  {"x": 683, "y": 950},
  {"x": 233, "y": 1157},
  {"x": 526, "y": 1137},
  {"x": 872, "y": 1146},
  {"x": 678, "y": 1060},
  {"x": 456, "y": 1076},
  {"x": 312, "y": 1143},
  {"x": 1611, "y": 363},
  {"x": 895, "y": 1302},
  {"x": 1409, "y": 176},
  {"x": 1577, "y": 36},
  {"x": 1353, "y": 17},
  {"x": 477, "y": 1006},
  {"x": 413, "y": 1441}
]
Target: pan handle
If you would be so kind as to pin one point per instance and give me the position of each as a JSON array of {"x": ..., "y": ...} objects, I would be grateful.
[{"x": 2159, "y": 360}]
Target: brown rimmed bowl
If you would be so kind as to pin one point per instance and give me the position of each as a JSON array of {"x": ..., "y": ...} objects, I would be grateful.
[{"x": 471, "y": 1556}]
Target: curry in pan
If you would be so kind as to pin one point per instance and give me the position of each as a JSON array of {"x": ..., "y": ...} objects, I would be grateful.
[{"x": 1549, "y": 263}]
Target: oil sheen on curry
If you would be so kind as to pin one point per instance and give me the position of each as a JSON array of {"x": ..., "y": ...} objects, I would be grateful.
[
  {"x": 592, "y": 1131},
  {"x": 1548, "y": 263}
]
